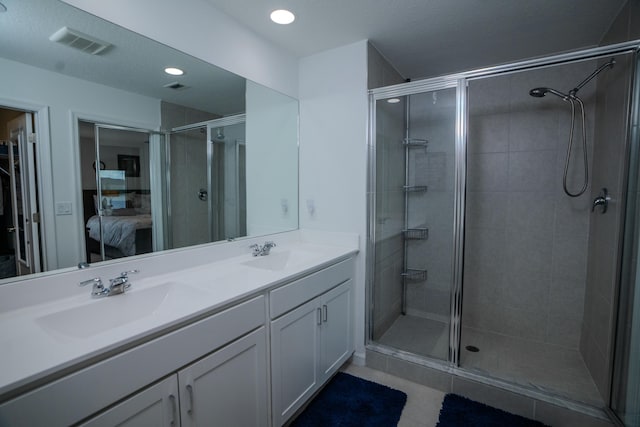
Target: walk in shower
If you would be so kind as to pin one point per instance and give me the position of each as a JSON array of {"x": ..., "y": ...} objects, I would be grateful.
[{"x": 496, "y": 221}]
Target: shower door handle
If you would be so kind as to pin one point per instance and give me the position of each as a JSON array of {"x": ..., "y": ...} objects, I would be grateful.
[{"x": 601, "y": 200}]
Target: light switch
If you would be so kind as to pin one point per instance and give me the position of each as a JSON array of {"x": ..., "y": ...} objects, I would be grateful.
[{"x": 63, "y": 208}]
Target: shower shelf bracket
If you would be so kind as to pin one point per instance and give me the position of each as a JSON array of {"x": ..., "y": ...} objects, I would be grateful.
[
  {"x": 415, "y": 142},
  {"x": 415, "y": 274},
  {"x": 416, "y": 233},
  {"x": 414, "y": 188}
]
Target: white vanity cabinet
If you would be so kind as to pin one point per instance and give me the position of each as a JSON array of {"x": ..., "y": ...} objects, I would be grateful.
[
  {"x": 254, "y": 359},
  {"x": 233, "y": 338},
  {"x": 309, "y": 342},
  {"x": 229, "y": 387},
  {"x": 226, "y": 388},
  {"x": 154, "y": 406}
]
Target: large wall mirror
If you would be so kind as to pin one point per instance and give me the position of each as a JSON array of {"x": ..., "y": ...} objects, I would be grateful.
[{"x": 105, "y": 155}]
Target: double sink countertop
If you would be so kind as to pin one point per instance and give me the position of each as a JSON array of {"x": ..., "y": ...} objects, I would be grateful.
[{"x": 42, "y": 339}]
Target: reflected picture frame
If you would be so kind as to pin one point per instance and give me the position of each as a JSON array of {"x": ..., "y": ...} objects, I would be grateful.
[{"x": 129, "y": 164}]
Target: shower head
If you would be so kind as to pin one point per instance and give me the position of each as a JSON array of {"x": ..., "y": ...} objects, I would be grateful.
[{"x": 540, "y": 92}]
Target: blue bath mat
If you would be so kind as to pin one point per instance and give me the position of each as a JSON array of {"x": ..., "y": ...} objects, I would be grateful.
[
  {"x": 349, "y": 401},
  {"x": 458, "y": 411}
]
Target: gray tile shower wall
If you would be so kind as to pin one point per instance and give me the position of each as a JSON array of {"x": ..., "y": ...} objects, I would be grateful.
[
  {"x": 190, "y": 215},
  {"x": 526, "y": 242}
]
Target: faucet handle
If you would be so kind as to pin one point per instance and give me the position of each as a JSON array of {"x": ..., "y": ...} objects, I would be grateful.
[
  {"x": 98, "y": 288},
  {"x": 126, "y": 273},
  {"x": 269, "y": 244},
  {"x": 256, "y": 249},
  {"x": 95, "y": 281}
]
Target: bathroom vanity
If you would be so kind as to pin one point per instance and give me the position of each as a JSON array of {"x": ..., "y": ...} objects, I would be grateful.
[{"x": 239, "y": 341}]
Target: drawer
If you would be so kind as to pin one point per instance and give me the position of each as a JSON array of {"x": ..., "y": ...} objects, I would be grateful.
[{"x": 288, "y": 297}]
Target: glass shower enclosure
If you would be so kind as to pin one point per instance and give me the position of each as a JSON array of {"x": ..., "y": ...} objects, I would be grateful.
[
  {"x": 480, "y": 263},
  {"x": 414, "y": 220},
  {"x": 205, "y": 170}
]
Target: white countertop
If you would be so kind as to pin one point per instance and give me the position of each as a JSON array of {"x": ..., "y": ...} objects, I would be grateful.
[{"x": 39, "y": 340}]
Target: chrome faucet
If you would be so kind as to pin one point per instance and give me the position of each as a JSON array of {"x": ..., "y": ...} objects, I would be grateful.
[
  {"x": 262, "y": 250},
  {"x": 116, "y": 286}
]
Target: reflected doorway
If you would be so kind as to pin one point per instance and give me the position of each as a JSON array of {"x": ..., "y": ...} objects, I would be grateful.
[
  {"x": 20, "y": 239},
  {"x": 116, "y": 191}
]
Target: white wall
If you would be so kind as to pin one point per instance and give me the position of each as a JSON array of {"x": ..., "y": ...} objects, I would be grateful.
[
  {"x": 272, "y": 161},
  {"x": 205, "y": 32},
  {"x": 333, "y": 152},
  {"x": 65, "y": 96}
]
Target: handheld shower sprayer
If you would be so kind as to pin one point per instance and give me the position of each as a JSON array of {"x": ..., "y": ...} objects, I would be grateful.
[
  {"x": 540, "y": 92},
  {"x": 572, "y": 98}
]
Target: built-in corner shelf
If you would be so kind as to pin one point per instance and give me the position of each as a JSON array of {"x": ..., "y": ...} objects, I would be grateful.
[
  {"x": 414, "y": 188},
  {"x": 415, "y": 274},
  {"x": 415, "y": 142},
  {"x": 416, "y": 233}
]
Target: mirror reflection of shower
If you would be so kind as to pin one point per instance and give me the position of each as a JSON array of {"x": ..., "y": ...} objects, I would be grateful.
[{"x": 572, "y": 98}]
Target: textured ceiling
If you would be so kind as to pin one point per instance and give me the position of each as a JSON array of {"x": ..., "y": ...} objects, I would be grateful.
[
  {"x": 134, "y": 63},
  {"x": 432, "y": 37}
]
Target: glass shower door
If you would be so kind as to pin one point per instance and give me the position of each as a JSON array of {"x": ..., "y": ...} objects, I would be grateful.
[
  {"x": 206, "y": 186},
  {"x": 415, "y": 152}
]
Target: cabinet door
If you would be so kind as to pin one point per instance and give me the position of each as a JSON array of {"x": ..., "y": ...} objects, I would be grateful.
[
  {"x": 154, "y": 406},
  {"x": 336, "y": 332},
  {"x": 228, "y": 387},
  {"x": 294, "y": 359}
]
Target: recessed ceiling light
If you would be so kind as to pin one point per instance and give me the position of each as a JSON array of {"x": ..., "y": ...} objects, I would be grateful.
[
  {"x": 393, "y": 100},
  {"x": 282, "y": 16},
  {"x": 174, "y": 71}
]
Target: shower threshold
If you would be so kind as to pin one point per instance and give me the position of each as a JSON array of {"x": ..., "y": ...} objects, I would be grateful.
[{"x": 542, "y": 371}]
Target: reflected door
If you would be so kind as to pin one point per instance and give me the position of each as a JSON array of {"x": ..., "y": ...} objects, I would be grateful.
[
  {"x": 124, "y": 224},
  {"x": 206, "y": 182},
  {"x": 24, "y": 202},
  {"x": 228, "y": 180}
]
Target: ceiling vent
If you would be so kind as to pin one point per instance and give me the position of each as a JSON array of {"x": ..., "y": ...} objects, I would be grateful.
[
  {"x": 77, "y": 40},
  {"x": 176, "y": 86}
]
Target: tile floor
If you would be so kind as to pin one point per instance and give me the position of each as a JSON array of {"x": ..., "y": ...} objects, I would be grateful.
[
  {"x": 557, "y": 369},
  {"x": 418, "y": 335},
  {"x": 553, "y": 368},
  {"x": 423, "y": 403}
]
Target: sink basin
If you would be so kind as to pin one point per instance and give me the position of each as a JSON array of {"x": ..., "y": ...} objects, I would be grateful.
[
  {"x": 97, "y": 316},
  {"x": 282, "y": 260}
]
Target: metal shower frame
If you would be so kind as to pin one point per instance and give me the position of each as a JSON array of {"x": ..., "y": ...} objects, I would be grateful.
[{"x": 460, "y": 81}]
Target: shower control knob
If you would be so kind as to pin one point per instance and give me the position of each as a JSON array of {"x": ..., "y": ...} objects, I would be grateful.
[{"x": 601, "y": 200}]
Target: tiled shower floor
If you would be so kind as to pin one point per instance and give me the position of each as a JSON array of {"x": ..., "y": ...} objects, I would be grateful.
[
  {"x": 548, "y": 367},
  {"x": 418, "y": 335}
]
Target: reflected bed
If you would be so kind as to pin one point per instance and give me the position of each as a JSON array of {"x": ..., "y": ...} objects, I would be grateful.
[{"x": 127, "y": 231}]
